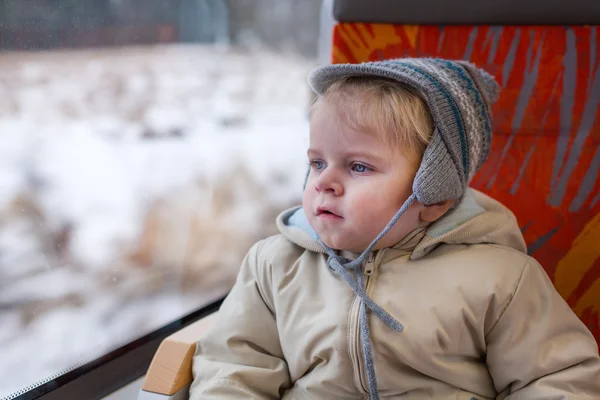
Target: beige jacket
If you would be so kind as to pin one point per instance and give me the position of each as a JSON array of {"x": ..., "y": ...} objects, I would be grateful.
[{"x": 481, "y": 321}]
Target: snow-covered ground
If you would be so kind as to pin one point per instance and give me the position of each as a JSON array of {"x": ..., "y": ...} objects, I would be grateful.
[{"x": 132, "y": 183}]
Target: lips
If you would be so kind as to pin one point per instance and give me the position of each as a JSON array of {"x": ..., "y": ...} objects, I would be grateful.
[{"x": 326, "y": 213}]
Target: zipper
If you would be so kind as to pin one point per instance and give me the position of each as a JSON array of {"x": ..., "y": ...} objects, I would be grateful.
[
  {"x": 354, "y": 345},
  {"x": 369, "y": 265},
  {"x": 356, "y": 354}
]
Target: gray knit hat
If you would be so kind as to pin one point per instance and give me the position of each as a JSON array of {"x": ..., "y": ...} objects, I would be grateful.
[{"x": 459, "y": 96}]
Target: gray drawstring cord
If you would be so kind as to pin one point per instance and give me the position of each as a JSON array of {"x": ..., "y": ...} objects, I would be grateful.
[{"x": 342, "y": 266}]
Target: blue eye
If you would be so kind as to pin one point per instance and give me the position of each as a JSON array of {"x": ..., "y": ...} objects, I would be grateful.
[
  {"x": 360, "y": 168},
  {"x": 317, "y": 164}
]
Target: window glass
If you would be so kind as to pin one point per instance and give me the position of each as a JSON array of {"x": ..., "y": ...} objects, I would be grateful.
[{"x": 144, "y": 146}]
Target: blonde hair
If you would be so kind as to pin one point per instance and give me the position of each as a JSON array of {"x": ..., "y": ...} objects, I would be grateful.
[{"x": 395, "y": 112}]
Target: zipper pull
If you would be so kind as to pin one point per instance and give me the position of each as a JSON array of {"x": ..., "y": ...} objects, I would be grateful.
[{"x": 369, "y": 265}]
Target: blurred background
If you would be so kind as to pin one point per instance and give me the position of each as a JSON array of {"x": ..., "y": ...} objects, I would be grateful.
[{"x": 144, "y": 146}]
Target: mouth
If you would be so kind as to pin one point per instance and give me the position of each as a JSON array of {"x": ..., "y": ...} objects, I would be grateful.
[{"x": 325, "y": 213}]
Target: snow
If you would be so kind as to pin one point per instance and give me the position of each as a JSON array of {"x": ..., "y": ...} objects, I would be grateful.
[{"x": 132, "y": 183}]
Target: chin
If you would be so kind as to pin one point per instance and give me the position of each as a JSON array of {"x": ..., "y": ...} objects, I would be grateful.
[
  {"x": 340, "y": 245},
  {"x": 332, "y": 243}
]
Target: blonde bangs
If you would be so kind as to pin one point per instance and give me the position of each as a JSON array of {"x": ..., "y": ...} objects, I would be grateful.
[{"x": 391, "y": 110}]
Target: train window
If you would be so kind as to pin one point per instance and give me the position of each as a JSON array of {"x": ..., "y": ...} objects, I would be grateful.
[{"x": 144, "y": 146}]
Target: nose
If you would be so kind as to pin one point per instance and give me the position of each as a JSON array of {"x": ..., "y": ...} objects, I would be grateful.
[{"x": 327, "y": 182}]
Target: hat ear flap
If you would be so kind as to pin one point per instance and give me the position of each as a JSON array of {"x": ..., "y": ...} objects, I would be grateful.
[
  {"x": 485, "y": 82},
  {"x": 439, "y": 178}
]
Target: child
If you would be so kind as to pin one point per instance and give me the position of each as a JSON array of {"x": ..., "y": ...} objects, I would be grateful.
[{"x": 395, "y": 280}]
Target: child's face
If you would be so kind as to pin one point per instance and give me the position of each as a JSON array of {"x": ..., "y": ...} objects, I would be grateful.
[{"x": 356, "y": 185}]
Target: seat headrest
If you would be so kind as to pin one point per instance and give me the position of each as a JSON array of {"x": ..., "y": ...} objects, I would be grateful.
[{"x": 470, "y": 12}]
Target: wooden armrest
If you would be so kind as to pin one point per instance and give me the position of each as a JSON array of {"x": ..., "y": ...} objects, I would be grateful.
[{"x": 171, "y": 368}]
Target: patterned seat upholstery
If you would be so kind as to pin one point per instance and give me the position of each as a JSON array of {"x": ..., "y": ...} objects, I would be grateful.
[{"x": 545, "y": 157}]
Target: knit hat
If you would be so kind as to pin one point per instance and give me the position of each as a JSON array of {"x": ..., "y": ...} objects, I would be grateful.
[{"x": 459, "y": 96}]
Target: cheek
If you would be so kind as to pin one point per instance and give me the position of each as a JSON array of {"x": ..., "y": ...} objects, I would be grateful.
[
  {"x": 374, "y": 198},
  {"x": 378, "y": 205},
  {"x": 307, "y": 198},
  {"x": 397, "y": 195},
  {"x": 368, "y": 206},
  {"x": 364, "y": 202}
]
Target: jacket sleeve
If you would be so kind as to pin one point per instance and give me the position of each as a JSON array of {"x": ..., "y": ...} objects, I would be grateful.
[
  {"x": 240, "y": 357},
  {"x": 539, "y": 349}
]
